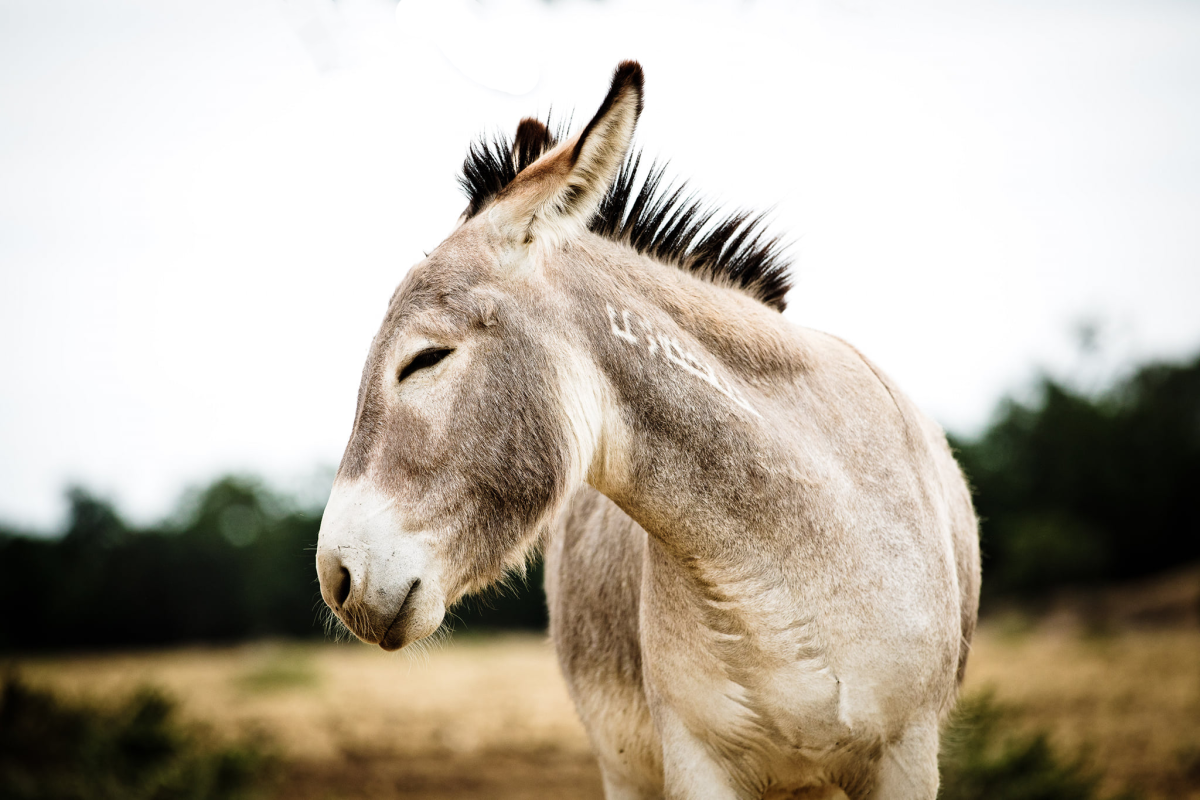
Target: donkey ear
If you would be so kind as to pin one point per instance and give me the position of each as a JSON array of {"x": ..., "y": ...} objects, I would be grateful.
[
  {"x": 601, "y": 147},
  {"x": 561, "y": 192},
  {"x": 533, "y": 138}
]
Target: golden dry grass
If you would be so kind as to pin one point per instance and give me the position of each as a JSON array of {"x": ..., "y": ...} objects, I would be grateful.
[
  {"x": 478, "y": 717},
  {"x": 1131, "y": 698},
  {"x": 490, "y": 717}
]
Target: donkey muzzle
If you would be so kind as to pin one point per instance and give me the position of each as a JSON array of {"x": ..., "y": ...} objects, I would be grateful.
[{"x": 380, "y": 581}]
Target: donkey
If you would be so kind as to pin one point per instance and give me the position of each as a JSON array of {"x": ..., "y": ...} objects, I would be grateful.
[{"x": 762, "y": 560}]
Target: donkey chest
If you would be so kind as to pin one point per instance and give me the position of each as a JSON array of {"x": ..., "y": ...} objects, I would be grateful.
[{"x": 755, "y": 670}]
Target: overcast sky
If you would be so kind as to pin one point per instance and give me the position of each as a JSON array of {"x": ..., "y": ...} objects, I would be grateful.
[{"x": 205, "y": 206}]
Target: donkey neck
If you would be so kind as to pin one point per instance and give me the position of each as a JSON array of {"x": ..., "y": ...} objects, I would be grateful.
[{"x": 695, "y": 371}]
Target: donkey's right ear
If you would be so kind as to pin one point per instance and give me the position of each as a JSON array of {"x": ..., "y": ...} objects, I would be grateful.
[{"x": 557, "y": 196}]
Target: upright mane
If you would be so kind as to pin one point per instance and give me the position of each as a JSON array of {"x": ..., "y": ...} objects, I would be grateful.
[{"x": 663, "y": 220}]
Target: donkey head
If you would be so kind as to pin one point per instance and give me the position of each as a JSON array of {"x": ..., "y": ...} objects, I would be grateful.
[{"x": 476, "y": 416}]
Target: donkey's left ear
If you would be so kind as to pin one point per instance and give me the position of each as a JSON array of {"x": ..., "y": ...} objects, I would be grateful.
[{"x": 561, "y": 192}]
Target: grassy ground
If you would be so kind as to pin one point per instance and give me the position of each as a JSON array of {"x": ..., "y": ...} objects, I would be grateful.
[
  {"x": 490, "y": 717},
  {"x": 1132, "y": 698}
]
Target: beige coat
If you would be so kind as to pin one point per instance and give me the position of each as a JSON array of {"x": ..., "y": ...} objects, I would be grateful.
[{"x": 763, "y": 564}]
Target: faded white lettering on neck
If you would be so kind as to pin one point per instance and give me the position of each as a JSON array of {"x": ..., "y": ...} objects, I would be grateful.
[
  {"x": 623, "y": 325},
  {"x": 618, "y": 330}
]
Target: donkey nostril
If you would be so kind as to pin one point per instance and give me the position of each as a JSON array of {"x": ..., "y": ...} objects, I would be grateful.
[
  {"x": 337, "y": 581},
  {"x": 343, "y": 587}
]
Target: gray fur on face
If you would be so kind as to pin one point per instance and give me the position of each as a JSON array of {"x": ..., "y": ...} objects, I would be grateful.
[{"x": 762, "y": 560}]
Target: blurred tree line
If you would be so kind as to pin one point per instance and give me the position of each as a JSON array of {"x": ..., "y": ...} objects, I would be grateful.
[
  {"x": 1072, "y": 489},
  {"x": 1078, "y": 489},
  {"x": 235, "y": 562}
]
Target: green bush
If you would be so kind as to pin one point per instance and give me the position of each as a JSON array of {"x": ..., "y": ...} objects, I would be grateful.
[
  {"x": 984, "y": 758},
  {"x": 136, "y": 749}
]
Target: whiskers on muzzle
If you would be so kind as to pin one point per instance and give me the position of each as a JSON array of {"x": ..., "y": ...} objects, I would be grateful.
[
  {"x": 333, "y": 626},
  {"x": 344, "y": 630},
  {"x": 338, "y": 631}
]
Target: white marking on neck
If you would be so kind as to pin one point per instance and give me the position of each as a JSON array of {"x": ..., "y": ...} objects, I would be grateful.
[
  {"x": 675, "y": 355},
  {"x": 618, "y": 331}
]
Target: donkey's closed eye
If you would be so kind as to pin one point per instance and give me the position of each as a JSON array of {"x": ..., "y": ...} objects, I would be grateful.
[{"x": 423, "y": 359}]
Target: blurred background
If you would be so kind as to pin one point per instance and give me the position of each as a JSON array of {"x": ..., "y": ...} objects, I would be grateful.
[{"x": 204, "y": 208}]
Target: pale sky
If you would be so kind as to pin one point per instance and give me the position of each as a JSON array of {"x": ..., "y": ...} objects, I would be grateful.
[{"x": 205, "y": 206}]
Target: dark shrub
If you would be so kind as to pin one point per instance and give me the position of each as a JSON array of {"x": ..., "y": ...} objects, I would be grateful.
[
  {"x": 983, "y": 758},
  {"x": 135, "y": 749}
]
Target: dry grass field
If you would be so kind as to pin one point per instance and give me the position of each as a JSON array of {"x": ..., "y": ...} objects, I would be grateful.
[{"x": 490, "y": 717}]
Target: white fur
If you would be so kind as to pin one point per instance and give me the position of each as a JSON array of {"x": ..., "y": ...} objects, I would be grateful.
[{"x": 362, "y": 531}]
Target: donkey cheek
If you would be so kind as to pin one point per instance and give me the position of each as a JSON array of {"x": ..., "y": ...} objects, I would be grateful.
[{"x": 411, "y": 447}]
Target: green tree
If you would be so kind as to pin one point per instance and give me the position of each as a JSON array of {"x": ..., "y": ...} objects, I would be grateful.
[{"x": 1079, "y": 489}]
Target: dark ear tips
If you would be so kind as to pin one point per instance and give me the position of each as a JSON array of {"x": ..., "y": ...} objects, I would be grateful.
[
  {"x": 532, "y": 128},
  {"x": 533, "y": 138},
  {"x": 629, "y": 74},
  {"x": 627, "y": 77}
]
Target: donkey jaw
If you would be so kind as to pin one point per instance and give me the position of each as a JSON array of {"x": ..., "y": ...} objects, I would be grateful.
[{"x": 380, "y": 580}]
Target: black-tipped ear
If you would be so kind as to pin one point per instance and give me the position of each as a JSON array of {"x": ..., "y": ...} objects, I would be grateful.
[
  {"x": 533, "y": 138},
  {"x": 628, "y": 87},
  {"x": 601, "y": 147},
  {"x": 558, "y": 194}
]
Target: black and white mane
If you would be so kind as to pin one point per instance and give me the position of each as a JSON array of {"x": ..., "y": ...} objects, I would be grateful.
[{"x": 664, "y": 221}]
